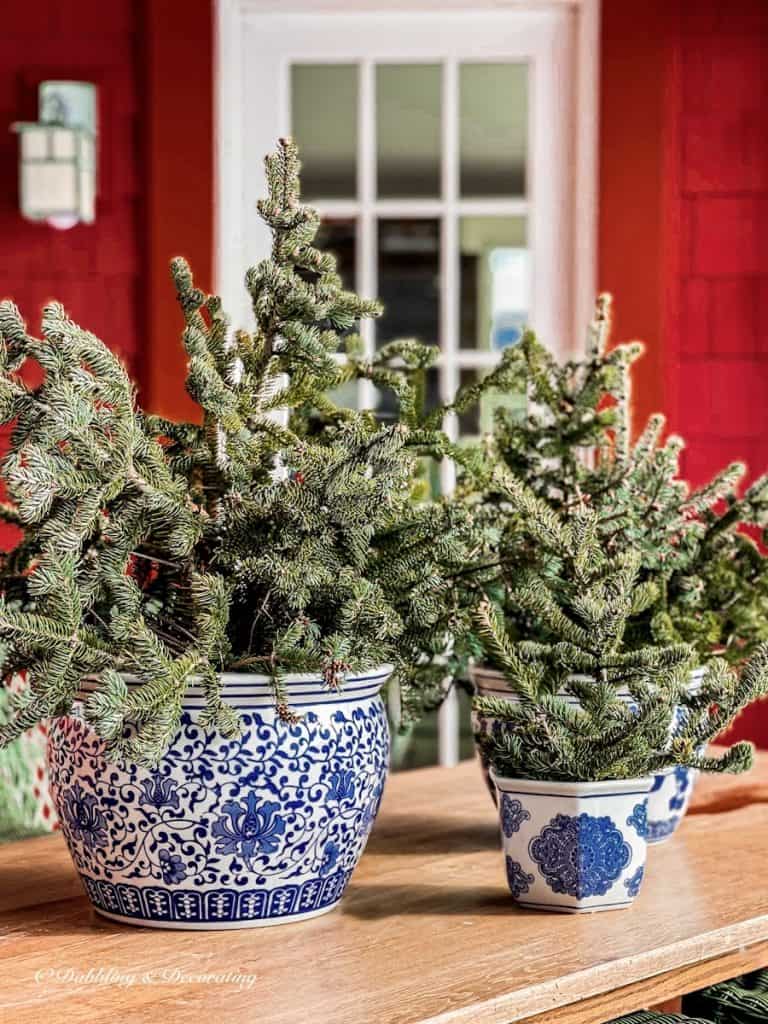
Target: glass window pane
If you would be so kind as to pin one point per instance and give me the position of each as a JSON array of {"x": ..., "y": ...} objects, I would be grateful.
[
  {"x": 340, "y": 238},
  {"x": 346, "y": 395},
  {"x": 493, "y": 129},
  {"x": 479, "y": 420},
  {"x": 408, "y": 130},
  {"x": 324, "y": 124},
  {"x": 417, "y": 747},
  {"x": 409, "y": 280},
  {"x": 495, "y": 271}
]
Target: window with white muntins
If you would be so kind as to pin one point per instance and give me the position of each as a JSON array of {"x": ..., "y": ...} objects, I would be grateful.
[{"x": 450, "y": 162}]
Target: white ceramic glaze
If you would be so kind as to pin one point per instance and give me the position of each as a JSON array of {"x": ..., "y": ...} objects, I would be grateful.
[
  {"x": 573, "y": 847},
  {"x": 261, "y": 829}
]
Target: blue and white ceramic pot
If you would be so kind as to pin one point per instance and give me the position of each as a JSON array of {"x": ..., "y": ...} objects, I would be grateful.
[
  {"x": 668, "y": 801},
  {"x": 672, "y": 789},
  {"x": 228, "y": 833},
  {"x": 573, "y": 847}
]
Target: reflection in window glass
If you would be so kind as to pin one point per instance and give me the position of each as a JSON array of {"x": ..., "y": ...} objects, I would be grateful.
[
  {"x": 495, "y": 269},
  {"x": 479, "y": 420},
  {"x": 417, "y": 746},
  {"x": 324, "y": 124},
  {"x": 409, "y": 280},
  {"x": 493, "y": 129},
  {"x": 408, "y": 130},
  {"x": 340, "y": 238},
  {"x": 345, "y": 396}
]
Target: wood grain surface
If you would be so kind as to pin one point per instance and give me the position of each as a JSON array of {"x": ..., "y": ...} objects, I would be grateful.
[{"x": 426, "y": 935}]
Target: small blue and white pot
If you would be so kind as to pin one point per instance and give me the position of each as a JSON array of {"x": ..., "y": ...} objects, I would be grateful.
[
  {"x": 228, "y": 833},
  {"x": 573, "y": 847},
  {"x": 672, "y": 789}
]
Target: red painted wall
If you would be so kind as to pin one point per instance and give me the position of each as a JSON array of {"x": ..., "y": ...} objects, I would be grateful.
[
  {"x": 634, "y": 59},
  {"x": 716, "y": 338},
  {"x": 94, "y": 270},
  {"x": 717, "y": 345},
  {"x": 180, "y": 156},
  {"x": 683, "y": 235}
]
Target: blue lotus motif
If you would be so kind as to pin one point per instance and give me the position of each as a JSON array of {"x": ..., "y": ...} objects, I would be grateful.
[
  {"x": 342, "y": 786},
  {"x": 247, "y": 828},
  {"x": 519, "y": 881},
  {"x": 85, "y": 822},
  {"x": 633, "y": 884},
  {"x": 330, "y": 857},
  {"x": 185, "y": 844},
  {"x": 638, "y": 819},
  {"x": 172, "y": 867},
  {"x": 513, "y": 814},
  {"x": 159, "y": 791},
  {"x": 580, "y": 856}
]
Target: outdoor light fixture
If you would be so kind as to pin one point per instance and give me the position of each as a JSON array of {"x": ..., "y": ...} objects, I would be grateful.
[{"x": 57, "y": 162}]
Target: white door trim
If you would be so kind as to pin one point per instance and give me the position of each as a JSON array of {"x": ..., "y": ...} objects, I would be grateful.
[{"x": 231, "y": 127}]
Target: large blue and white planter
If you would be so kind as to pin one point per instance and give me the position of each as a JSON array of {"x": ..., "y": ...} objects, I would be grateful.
[
  {"x": 228, "y": 833},
  {"x": 573, "y": 847},
  {"x": 672, "y": 789}
]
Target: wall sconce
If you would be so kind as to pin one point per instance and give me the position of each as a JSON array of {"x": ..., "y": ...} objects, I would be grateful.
[{"x": 57, "y": 160}]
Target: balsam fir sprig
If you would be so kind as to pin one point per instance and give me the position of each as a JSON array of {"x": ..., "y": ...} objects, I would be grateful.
[
  {"x": 573, "y": 447},
  {"x": 171, "y": 551},
  {"x": 581, "y": 607}
]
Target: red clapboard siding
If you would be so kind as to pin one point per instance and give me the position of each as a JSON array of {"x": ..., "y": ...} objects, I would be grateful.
[
  {"x": 716, "y": 206},
  {"x": 96, "y": 271}
]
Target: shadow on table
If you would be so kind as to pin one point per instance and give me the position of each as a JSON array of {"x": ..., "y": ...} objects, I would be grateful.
[
  {"x": 372, "y": 902},
  {"x": 732, "y": 798},
  {"x": 44, "y": 897},
  {"x": 402, "y": 833}
]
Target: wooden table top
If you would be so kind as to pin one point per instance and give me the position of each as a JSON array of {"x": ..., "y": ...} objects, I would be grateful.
[{"x": 427, "y": 932}]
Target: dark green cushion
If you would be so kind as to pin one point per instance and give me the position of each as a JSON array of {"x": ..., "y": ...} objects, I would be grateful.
[
  {"x": 652, "y": 1017},
  {"x": 741, "y": 1001}
]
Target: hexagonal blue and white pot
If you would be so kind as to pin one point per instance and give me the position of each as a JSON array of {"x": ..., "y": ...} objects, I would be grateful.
[
  {"x": 573, "y": 847},
  {"x": 228, "y": 833},
  {"x": 672, "y": 789}
]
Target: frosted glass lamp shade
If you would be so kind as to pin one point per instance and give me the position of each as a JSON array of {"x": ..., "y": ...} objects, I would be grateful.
[
  {"x": 57, "y": 174},
  {"x": 57, "y": 169}
]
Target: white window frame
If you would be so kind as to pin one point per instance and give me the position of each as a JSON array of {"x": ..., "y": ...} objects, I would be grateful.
[{"x": 257, "y": 40}]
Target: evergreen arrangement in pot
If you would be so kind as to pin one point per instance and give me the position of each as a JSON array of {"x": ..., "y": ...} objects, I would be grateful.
[
  {"x": 208, "y": 612},
  {"x": 706, "y": 578},
  {"x": 575, "y": 746}
]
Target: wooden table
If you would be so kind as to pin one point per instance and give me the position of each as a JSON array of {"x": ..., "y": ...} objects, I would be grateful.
[{"x": 427, "y": 933}]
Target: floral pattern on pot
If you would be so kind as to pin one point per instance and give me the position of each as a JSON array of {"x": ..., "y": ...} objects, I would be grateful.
[
  {"x": 633, "y": 884},
  {"x": 580, "y": 855},
  {"x": 579, "y": 846},
  {"x": 249, "y": 827},
  {"x": 638, "y": 819},
  {"x": 519, "y": 881},
  {"x": 225, "y": 832},
  {"x": 513, "y": 814},
  {"x": 82, "y": 819},
  {"x": 668, "y": 802}
]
